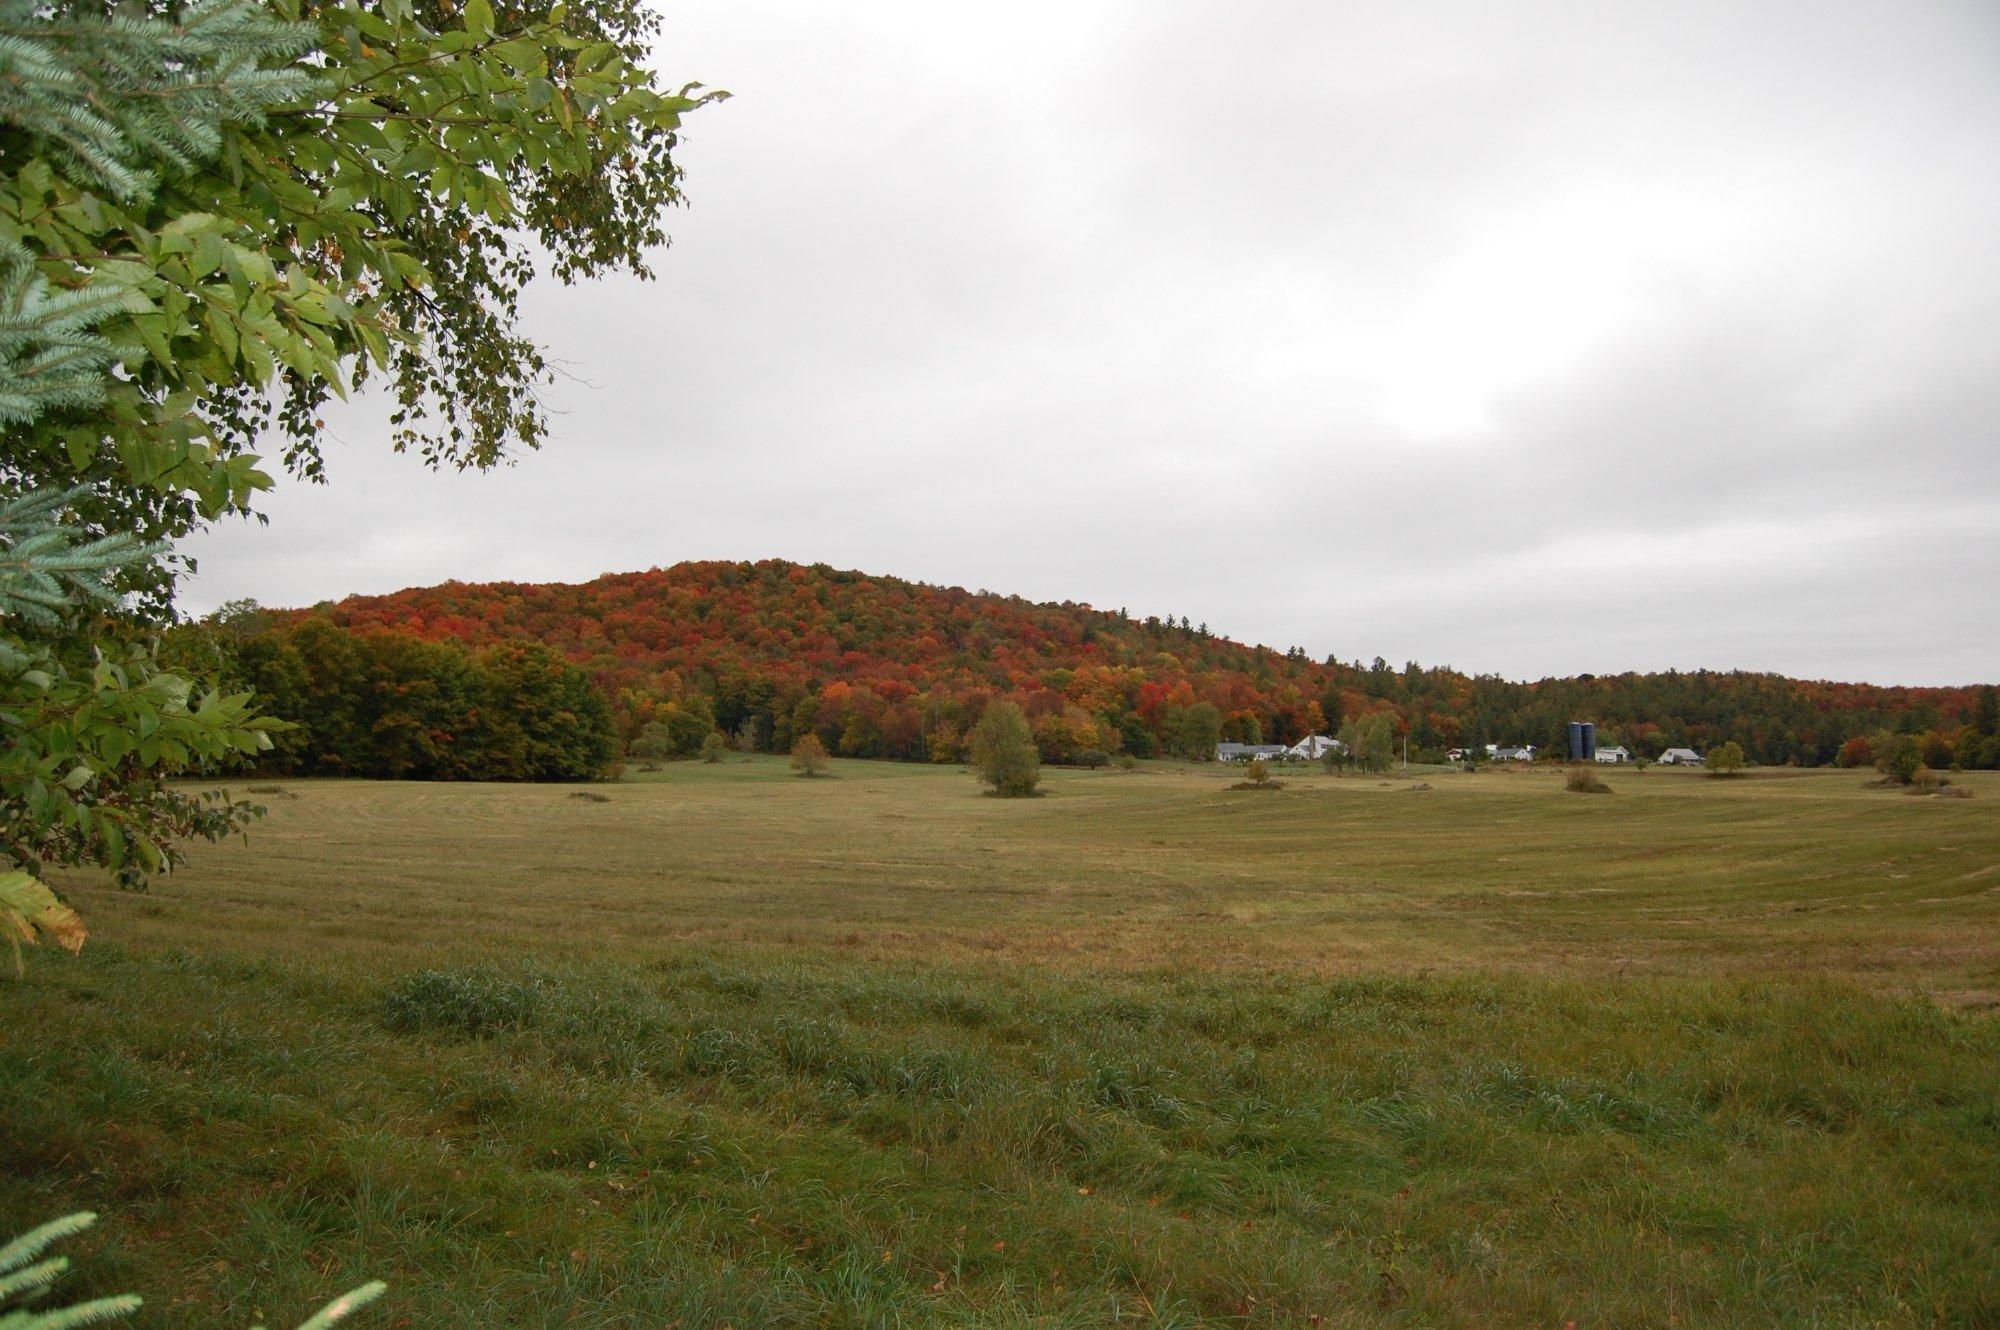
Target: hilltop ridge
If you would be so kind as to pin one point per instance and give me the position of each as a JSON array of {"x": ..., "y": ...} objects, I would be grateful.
[{"x": 882, "y": 666}]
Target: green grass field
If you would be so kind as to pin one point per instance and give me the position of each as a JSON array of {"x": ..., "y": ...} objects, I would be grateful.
[{"x": 731, "y": 1048}]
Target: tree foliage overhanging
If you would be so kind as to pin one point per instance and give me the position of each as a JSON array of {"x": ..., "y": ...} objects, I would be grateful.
[
  {"x": 277, "y": 203},
  {"x": 214, "y": 217}
]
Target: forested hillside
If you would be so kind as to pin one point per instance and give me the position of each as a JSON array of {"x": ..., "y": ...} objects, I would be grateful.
[{"x": 882, "y": 667}]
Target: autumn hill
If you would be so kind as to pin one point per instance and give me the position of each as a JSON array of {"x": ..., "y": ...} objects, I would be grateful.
[{"x": 883, "y": 667}]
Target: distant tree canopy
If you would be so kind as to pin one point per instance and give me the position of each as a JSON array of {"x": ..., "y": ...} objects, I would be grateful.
[
  {"x": 395, "y": 706},
  {"x": 879, "y": 667}
]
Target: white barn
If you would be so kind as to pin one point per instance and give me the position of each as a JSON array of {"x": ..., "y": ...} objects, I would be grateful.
[{"x": 1313, "y": 747}]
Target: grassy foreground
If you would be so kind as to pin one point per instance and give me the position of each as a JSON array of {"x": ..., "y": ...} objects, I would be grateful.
[{"x": 732, "y": 1048}]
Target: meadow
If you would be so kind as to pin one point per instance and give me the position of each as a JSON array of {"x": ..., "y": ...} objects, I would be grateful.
[{"x": 718, "y": 1046}]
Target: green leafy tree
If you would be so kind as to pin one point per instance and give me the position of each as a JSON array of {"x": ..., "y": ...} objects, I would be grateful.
[
  {"x": 250, "y": 215},
  {"x": 1194, "y": 731},
  {"x": 653, "y": 743},
  {"x": 1004, "y": 753},
  {"x": 1899, "y": 757},
  {"x": 1725, "y": 759},
  {"x": 1136, "y": 737},
  {"x": 93, "y": 731},
  {"x": 212, "y": 220},
  {"x": 683, "y": 727},
  {"x": 543, "y": 718},
  {"x": 1371, "y": 741},
  {"x": 713, "y": 747}
]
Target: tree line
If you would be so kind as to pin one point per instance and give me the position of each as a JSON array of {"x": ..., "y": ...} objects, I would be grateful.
[
  {"x": 881, "y": 667},
  {"x": 369, "y": 699},
  {"x": 394, "y": 706}
]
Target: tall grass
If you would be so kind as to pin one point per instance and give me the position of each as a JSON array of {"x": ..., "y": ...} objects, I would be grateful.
[{"x": 731, "y": 1140}]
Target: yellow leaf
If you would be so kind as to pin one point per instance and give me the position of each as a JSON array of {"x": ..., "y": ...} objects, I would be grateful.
[{"x": 29, "y": 911}]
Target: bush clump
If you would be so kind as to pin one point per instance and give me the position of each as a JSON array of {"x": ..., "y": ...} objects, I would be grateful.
[
  {"x": 1260, "y": 778},
  {"x": 1725, "y": 760},
  {"x": 809, "y": 756},
  {"x": 1582, "y": 780}
]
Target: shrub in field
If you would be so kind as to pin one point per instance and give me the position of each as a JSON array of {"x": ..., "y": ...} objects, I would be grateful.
[
  {"x": 1004, "y": 753},
  {"x": 713, "y": 747},
  {"x": 1899, "y": 757},
  {"x": 1582, "y": 780},
  {"x": 653, "y": 743},
  {"x": 1093, "y": 758},
  {"x": 26, "y": 1277},
  {"x": 1926, "y": 781},
  {"x": 809, "y": 756},
  {"x": 1259, "y": 778},
  {"x": 1725, "y": 759}
]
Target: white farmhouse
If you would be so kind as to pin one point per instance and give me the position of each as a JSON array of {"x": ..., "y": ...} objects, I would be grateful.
[
  {"x": 1615, "y": 754},
  {"x": 1313, "y": 747},
  {"x": 1680, "y": 757}
]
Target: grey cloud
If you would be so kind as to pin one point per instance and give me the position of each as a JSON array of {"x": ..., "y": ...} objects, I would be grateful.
[{"x": 1311, "y": 321}]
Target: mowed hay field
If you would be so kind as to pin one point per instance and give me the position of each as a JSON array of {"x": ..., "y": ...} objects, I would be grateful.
[{"x": 725, "y": 1047}]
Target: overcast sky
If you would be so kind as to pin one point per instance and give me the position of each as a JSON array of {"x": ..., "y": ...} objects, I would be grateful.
[{"x": 1533, "y": 339}]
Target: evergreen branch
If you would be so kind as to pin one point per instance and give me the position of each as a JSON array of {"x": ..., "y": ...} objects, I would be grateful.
[{"x": 45, "y": 570}]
